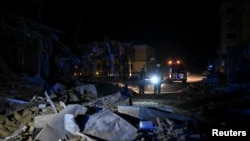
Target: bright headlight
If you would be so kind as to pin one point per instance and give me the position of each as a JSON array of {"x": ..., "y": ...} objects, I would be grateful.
[{"x": 155, "y": 79}]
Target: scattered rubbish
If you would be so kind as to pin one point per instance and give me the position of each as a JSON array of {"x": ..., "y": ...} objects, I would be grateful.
[{"x": 78, "y": 113}]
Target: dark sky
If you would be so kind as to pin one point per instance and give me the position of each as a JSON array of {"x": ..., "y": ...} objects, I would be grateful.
[
  {"x": 189, "y": 27},
  {"x": 171, "y": 21}
]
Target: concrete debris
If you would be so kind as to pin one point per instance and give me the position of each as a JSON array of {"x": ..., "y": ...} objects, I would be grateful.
[
  {"x": 87, "y": 89},
  {"x": 70, "y": 124},
  {"x": 40, "y": 121},
  {"x": 79, "y": 114},
  {"x": 81, "y": 94},
  {"x": 109, "y": 126},
  {"x": 55, "y": 130},
  {"x": 109, "y": 102}
]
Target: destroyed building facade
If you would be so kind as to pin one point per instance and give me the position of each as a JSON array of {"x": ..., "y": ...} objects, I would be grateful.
[{"x": 234, "y": 60}]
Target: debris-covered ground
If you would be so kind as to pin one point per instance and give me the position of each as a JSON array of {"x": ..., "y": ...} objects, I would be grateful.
[
  {"x": 214, "y": 105},
  {"x": 91, "y": 111}
]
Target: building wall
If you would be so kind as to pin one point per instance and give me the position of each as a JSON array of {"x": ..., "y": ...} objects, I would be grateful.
[
  {"x": 144, "y": 57},
  {"x": 234, "y": 37},
  {"x": 141, "y": 52},
  {"x": 229, "y": 36},
  {"x": 245, "y": 20}
]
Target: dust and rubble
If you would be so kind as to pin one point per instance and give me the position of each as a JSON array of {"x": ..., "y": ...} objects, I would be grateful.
[
  {"x": 84, "y": 112},
  {"x": 79, "y": 113},
  {"x": 29, "y": 112},
  {"x": 33, "y": 109}
]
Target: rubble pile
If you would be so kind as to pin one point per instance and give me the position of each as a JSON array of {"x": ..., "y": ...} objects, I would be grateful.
[
  {"x": 78, "y": 113},
  {"x": 33, "y": 110}
]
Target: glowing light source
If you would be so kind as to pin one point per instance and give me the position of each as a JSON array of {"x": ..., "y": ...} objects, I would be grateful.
[
  {"x": 170, "y": 62},
  {"x": 155, "y": 80}
]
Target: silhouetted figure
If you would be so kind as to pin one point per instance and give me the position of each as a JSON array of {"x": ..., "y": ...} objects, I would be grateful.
[
  {"x": 142, "y": 76},
  {"x": 158, "y": 81},
  {"x": 126, "y": 92}
]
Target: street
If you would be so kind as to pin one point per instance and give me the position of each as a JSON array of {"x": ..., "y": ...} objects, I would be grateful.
[{"x": 174, "y": 87}]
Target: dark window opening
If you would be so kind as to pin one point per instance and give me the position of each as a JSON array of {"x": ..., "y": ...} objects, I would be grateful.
[
  {"x": 231, "y": 11},
  {"x": 231, "y": 36},
  {"x": 231, "y": 23}
]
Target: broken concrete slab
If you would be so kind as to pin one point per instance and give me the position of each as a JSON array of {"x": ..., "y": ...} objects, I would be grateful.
[
  {"x": 109, "y": 126},
  {"x": 87, "y": 89},
  {"x": 41, "y": 121},
  {"x": 55, "y": 130},
  {"x": 71, "y": 126}
]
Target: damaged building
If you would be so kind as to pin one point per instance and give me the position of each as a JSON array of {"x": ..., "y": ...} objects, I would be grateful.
[
  {"x": 234, "y": 40},
  {"x": 49, "y": 57},
  {"x": 52, "y": 91}
]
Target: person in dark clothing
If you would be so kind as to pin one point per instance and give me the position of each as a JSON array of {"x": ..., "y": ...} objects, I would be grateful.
[
  {"x": 126, "y": 92},
  {"x": 142, "y": 76},
  {"x": 157, "y": 85}
]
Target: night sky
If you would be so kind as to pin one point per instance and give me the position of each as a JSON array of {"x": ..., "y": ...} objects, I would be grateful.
[{"x": 176, "y": 28}]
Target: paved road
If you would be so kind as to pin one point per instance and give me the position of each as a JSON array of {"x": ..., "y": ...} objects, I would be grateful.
[{"x": 166, "y": 88}]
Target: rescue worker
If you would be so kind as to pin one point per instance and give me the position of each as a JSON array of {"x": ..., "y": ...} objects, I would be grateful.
[
  {"x": 142, "y": 76},
  {"x": 157, "y": 85},
  {"x": 127, "y": 92}
]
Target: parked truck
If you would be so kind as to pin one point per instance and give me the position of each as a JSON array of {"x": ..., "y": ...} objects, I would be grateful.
[{"x": 175, "y": 71}]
